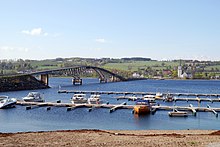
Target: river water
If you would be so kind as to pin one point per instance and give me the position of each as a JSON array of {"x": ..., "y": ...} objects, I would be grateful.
[{"x": 39, "y": 119}]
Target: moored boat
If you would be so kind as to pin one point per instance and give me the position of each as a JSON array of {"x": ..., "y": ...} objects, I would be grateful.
[
  {"x": 79, "y": 98},
  {"x": 142, "y": 107},
  {"x": 150, "y": 99},
  {"x": 33, "y": 97},
  {"x": 3, "y": 97},
  {"x": 149, "y": 96},
  {"x": 94, "y": 99},
  {"x": 169, "y": 97},
  {"x": 158, "y": 95},
  {"x": 6, "y": 102},
  {"x": 178, "y": 113}
]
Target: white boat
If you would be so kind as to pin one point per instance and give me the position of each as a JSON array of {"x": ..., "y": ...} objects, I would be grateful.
[
  {"x": 178, "y": 113},
  {"x": 159, "y": 95},
  {"x": 150, "y": 99},
  {"x": 79, "y": 99},
  {"x": 94, "y": 99},
  {"x": 130, "y": 98},
  {"x": 149, "y": 96},
  {"x": 3, "y": 97},
  {"x": 6, "y": 102},
  {"x": 169, "y": 97},
  {"x": 33, "y": 97}
]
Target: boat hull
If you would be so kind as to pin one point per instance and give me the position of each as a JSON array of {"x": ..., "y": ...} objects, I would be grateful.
[
  {"x": 141, "y": 109},
  {"x": 7, "y": 103},
  {"x": 178, "y": 114},
  {"x": 79, "y": 101},
  {"x": 94, "y": 101},
  {"x": 33, "y": 100},
  {"x": 33, "y": 97}
]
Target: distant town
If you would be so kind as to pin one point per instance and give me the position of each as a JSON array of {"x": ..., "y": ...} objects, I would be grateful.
[{"x": 135, "y": 67}]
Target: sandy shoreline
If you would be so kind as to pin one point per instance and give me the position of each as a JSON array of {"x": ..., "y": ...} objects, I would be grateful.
[{"x": 84, "y": 138}]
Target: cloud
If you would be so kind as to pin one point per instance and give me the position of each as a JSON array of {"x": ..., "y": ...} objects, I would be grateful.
[
  {"x": 100, "y": 40},
  {"x": 35, "y": 32},
  {"x": 13, "y": 49}
]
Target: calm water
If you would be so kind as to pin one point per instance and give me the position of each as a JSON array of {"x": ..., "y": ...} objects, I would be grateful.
[{"x": 39, "y": 119}]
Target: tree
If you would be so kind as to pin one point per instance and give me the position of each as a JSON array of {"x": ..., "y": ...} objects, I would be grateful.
[
  {"x": 174, "y": 73},
  {"x": 198, "y": 75}
]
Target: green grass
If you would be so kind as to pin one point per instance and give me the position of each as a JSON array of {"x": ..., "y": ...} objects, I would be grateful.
[
  {"x": 214, "y": 67},
  {"x": 45, "y": 64},
  {"x": 133, "y": 66}
]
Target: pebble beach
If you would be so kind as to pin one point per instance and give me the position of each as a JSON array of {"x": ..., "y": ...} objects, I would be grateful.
[{"x": 85, "y": 138}]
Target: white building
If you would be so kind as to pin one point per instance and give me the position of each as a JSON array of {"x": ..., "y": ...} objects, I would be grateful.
[
  {"x": 179, "y": 71},
  {"x": 186, "y": 75},
  {"x": 137, "y": 75},
  {"x": 183, "y": 74}
]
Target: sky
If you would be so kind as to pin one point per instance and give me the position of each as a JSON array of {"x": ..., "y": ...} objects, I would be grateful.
[{"x": 157, "y": 29}]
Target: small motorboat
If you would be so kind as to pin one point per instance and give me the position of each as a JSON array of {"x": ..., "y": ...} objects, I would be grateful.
[
  {"x": 33, "y": 97},
  {"x": 6, "y": 102},
  {"x": 130, "y": 98},
  {"x": 169, "y": 98},
  {"x": 142, "y": 107},
  {"x": 94, "y": 99},
  {"x": 150, "y": 99},
  {"x": 149, "y": 96},
  {"x": 178, "y": 113},
  {"x": 79, "y": 99},
  {"x": 2, "y": 97},
  {"x": 158, "y": 95}
]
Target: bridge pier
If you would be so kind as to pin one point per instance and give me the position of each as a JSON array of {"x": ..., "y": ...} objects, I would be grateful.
[
  {"x": 44, "y": 78},
  {"x": 113, "y": 79},
  {"x": 77, "y": 81},
  {"x": 103, "y": 80}
]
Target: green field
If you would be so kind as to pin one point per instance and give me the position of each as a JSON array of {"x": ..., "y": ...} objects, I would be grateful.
[
  {"x": 45, "y": 64},
  {"x": 212, "y": 67},
  {"x": 135, "y": 65}
]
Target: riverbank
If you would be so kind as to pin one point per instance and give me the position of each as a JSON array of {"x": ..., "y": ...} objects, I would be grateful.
[
  {"x": 82, "y": 138},
  {"x": 20, "y": 82}
]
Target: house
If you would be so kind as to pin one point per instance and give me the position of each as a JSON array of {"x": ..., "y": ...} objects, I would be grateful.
[
  {"x": 186, "y": 75},
  {"x": 167, "y": 72},
  {"x": 137, "y": 75}
]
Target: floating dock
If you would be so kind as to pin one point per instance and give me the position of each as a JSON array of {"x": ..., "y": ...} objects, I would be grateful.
[
  {"x": 68, "y": 105},
  {"x": 198, "y": 99},
  {"x": 140, "y": 93},
  {"x": 114, "y": 107},
  {"x": 132, "y": 96}
]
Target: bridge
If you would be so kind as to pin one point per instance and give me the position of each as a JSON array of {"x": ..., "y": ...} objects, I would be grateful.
[{"x": 77, "y": 71}]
